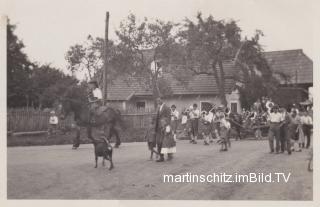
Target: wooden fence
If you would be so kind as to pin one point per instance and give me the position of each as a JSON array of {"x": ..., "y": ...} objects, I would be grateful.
[{"x": 27, "y": 120}]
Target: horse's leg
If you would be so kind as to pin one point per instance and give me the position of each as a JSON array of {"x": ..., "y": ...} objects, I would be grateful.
[
  {"x": 89, "y": 133},
  {"x": 76, "y": 140},
  {"x": 110, "y": 159},
  {"x": 115, "y": 132},
  {"x": 96, "y": 158},
  {"x": 103, "y": 163},
  {"x": 105, "y": 129}
]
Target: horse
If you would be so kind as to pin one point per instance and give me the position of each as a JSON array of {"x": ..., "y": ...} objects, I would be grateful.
[{"x": 106, "y": 121}]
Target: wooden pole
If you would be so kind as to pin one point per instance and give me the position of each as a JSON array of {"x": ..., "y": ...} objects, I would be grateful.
[{"x": 105, "y": 58}]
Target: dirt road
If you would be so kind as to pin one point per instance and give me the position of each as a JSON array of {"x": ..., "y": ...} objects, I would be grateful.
[{"x": 57, "y": 172}]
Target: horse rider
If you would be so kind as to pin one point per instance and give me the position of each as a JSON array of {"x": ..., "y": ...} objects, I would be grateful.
[{"x": 94, "y": 98}]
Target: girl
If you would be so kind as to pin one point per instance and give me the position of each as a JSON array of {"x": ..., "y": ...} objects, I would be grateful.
[{"x": 168, "y": 143}]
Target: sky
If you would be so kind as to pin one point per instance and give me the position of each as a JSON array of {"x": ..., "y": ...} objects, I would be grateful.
[{"x": 48, "y": 28}]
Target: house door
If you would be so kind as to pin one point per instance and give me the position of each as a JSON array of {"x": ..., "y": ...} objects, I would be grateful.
[{"x": 234, "y": 107}]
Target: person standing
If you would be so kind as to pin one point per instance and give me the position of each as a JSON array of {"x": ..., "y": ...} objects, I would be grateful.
[
  {"x": 293, "y": 131},
  {"x": 285, "y": 140},
  {"x": 194, "y": 117},
  {"x": 274, "y": 129},
  {"x": 306, "y": 121},
  {"x": 163, "y": 112},
  {"x": 207, "y": 122},
  {"x": 174, "y": 120},
  {"x": 53, "y": 123}
]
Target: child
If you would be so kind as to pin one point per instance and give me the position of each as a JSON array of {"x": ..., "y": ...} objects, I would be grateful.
[
  {"x": 224, "y": 134},
  {"x": 53, "y": 123},
  {"x": 168, "y": 143},
  {"x": 151, "y": 138},
  {"x": 207, "y": 122},
  {"x": 174, "y": 121}
]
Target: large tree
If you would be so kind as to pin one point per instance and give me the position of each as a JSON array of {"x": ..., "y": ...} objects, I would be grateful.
[
  {"x": 144, "y": 48},
  {"x": 86, "y": 57},
  {"x": 208, "y": 43},
  {"x": 18, "y": 70},
  {"x": 48, "y": 83}
]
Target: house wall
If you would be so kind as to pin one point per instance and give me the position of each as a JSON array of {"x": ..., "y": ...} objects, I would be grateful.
[{"x": 181, "y": 101}]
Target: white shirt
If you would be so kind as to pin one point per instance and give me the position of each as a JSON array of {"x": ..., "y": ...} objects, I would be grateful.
[
  {"x": 195, "y": 114},
  {"x": 184, "y": 119},
  {"x": 209, "y": 117},
  {"x": 53, "y": 120},
  {"x": 174, "y": 115},
  {"x": 306, "y": 120},
  {"x": 160, "y": 108},
  {"x": 225, "y": 123},
  {"x": 275, "y": 117},
  {"x": 97, "y": 93}
]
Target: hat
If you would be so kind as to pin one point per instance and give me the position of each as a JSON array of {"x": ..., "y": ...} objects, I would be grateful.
[
  {"x": 52, "y": 112},
  {"x": 221, "y": 107},
  {"x": 94, "y": 82}
]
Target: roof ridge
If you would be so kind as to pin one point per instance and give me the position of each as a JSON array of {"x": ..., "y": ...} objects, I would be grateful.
[{"x": 291, "y": 50}]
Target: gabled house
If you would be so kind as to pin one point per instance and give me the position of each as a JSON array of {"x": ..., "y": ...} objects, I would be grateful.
[
  {"x": 293, "y": 67},
  {"x": 295, "y": 72},
  {"x": 199, "y": 89}
]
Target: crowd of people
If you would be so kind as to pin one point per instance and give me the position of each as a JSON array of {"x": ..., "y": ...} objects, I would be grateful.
[{"x": 289, "y": 129}]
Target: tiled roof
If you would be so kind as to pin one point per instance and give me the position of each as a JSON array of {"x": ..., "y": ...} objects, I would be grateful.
[
  {"x": 287, "y": 61},
  {"x": 122, "y": 89},
  {"x": 293, "y": 63}
]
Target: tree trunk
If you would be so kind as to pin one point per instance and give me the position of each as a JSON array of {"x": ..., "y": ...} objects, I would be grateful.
[
  {"x": 222, "y": 85},
  {"x": 220, "y": 81}
]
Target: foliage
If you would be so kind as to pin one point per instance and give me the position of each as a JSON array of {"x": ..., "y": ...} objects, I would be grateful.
[
  {"x": 140, "y": 45},
  {"x": 31, "y": 84},
  {"x": 208, "y": 43},
  {"x": 86, "y": 57},
  {"x": 18, "y": 70}
]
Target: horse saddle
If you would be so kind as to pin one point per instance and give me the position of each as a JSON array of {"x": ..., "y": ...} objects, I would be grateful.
[{"x": 101, "y": 109}]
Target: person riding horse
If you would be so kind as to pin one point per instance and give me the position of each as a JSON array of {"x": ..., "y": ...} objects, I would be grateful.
[{"x": 94, "y": 98}]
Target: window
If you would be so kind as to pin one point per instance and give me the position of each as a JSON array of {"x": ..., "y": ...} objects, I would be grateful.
[
  {"x": 205, "y": 106},
  {"x": 141, "y": 105},
  {"x": 234, "y": 107}
]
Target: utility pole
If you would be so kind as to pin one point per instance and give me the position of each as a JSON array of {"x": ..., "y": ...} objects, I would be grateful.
[{"x": 105, "y": 58}]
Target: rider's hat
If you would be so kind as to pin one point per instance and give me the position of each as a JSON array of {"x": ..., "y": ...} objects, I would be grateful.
[{"x": 94, "y": 82}]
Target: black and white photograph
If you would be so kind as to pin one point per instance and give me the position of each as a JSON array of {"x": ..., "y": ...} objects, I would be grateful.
[{"x": 159, "y": 100}]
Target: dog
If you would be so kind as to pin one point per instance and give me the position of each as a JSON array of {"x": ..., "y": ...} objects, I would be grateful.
[{"x": 103, "y": 148}]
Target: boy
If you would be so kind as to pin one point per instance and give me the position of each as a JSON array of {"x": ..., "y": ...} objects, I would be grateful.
[
  {"x": 224, "y": 134},
  {"x": 194, "y": 118},
  {"x": 53, "y": 123},
  {"x": 207, "y": 122}
]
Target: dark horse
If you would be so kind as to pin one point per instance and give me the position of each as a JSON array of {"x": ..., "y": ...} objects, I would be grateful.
[{"x": 106, "y": 121}]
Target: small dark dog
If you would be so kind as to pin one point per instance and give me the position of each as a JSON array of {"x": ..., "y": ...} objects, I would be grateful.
[{"x": 102, "y": 148}]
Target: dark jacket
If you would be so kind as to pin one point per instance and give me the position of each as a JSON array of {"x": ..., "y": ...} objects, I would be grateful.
[{"x": 164, "y": 113}]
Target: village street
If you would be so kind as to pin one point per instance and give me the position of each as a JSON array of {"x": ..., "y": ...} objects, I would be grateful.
[{"x": 57, "y": 172}]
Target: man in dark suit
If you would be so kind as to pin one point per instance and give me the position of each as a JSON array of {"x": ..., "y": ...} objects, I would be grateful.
[{"x": 163, "y": 112}]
